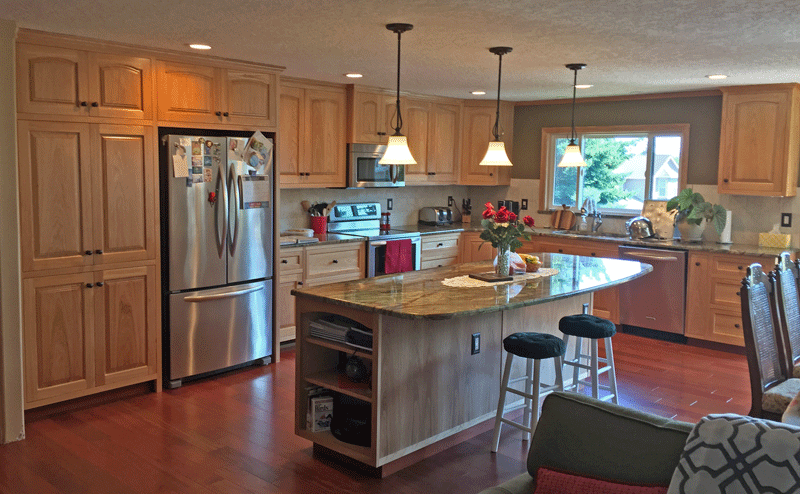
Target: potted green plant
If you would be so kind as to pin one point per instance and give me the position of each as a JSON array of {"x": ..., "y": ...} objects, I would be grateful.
[{"x": 692, "y": 209}]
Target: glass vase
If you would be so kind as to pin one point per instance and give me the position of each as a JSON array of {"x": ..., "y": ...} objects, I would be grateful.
[{"x": 501, "y": 265}]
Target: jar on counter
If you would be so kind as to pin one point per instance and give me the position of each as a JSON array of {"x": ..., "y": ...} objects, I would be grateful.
[{"x": 385, "y": 221}]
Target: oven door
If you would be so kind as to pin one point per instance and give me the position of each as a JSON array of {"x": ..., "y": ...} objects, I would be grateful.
[{"x": 376, "y": 256}]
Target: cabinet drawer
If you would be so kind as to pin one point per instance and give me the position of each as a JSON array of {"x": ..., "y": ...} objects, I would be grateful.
[
  {"x": 328, "y": 265},
  {"x": 440, "y": 247},
  {"x": 726, "y": 292},
  {"x": 437, "y": 263},
  {"x": 291, "y": 261},
  {"x": 735, "y": 267},
  {"x": 726, "y": 327}
]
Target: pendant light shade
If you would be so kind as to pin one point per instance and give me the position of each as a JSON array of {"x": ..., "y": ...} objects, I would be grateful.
[
  {"x": 496, "y": 154},
  {"x": 573, "y": 155},
  {"x": 397, "y": 152}
]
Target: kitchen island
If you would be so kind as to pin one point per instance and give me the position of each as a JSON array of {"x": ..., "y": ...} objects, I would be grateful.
[{"x": 427, "y": 389}]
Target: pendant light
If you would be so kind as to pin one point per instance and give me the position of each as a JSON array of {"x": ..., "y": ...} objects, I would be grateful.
[
  {"x": 496, "y": 154},
  {"x": 397, "y": 152},
  {"x": 572, "y": 155}
]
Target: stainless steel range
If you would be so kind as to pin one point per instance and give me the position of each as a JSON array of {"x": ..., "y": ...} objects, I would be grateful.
[{"x": 363, "y": 219}]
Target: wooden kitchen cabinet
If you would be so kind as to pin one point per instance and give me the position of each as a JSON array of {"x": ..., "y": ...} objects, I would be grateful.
[
  {"x": 474, "y": 249},
  {"x": 369, "y": 114},
  {"x": 312, "y": 137},
  {"x": 443, "y": 143},
  {"x": 63, "y": 81},
  {"x": 479, "y": 118},
  {"x": 89, "y": 332},
  {"x": 416, "y": 115},
  {"x": 713, "y": 303},
  {"x": 201, "y": 94},
  {"x": 87, "y": 194},
  {"x": 760, "y": 140},
  {"x": 311, "y": 266},
  {"x": 439, "y": 250}
]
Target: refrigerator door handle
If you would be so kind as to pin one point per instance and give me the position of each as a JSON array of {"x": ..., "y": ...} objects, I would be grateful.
[
  {"x": 218, "y": 296},
  {"x": 220, "y": 237},
  {"x": 234, "y": 211}
]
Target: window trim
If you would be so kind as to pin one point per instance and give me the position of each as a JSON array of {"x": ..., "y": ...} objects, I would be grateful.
[{"x": 546, "y": 159}]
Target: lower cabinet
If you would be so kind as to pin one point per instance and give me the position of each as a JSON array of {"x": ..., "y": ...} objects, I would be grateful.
[
  {"x": 713, "y": 303},
  {"x": 440, "y": 250},
  {"x": 314, "y": 265},
  {"x": 473, "y": 248},
  {"x": 89, "y": 332}
]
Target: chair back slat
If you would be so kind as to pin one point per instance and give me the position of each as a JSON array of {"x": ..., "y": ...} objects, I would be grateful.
[
  {"x": 786, "y": 275},
  {"x": 764, "y": 358}
]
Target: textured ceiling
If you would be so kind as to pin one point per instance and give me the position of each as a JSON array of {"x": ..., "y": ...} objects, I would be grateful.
[{"x": 630, "y": 46}]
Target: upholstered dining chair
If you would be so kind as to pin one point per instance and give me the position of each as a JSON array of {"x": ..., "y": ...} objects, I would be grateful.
[
  {"x": 788, "y": 308},
  {"x": 771, "y": 388}
]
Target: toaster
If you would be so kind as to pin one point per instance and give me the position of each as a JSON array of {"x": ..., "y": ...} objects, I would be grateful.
[{"x": 436, "y": 216}]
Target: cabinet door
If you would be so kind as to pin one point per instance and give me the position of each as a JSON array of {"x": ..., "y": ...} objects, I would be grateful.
[
  {"x": 250, "y": 98},
  {"x": 286, "y": 306},
  {"x": 124, "y": 194},
  {"x": 698, "y": 309},
  {"x": 759, "y": 143},
  {"x": 369, "y": 117},
  {"x": 443, "y": 143},
  {"x": 415, "y": 127},
  {"x": 120, "y": 86},
  {"x": 291, "y": 136},
  {"x": 58, "y": 330},
  {"x": 126, "y": 325},
  {"x": 477, "y": 132},
  {"x": 325, "y": 138},
  {"x": 188, "y": 93},
  {"x": 55, "y": 195},
  {"x": 51, "y": 80}
]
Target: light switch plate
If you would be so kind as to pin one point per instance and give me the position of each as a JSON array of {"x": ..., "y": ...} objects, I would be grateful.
[{"x": 786, "y": 220}]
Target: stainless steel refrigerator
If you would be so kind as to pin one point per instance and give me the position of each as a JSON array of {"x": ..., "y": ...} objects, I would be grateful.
[{"x": 217, "y": 244}]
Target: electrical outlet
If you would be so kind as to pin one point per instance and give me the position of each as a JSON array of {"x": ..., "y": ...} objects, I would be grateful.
[
  {"x": 389, "y": 204},
  {"x": 786, "y": 219},
  {"x": 523, "y": 205},
  {"x": 476, "y": 343},
  {"x": 450, "y": 200}
]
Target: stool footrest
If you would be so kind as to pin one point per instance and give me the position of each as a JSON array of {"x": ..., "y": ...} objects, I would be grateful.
[{"x": 542, "y": 390}]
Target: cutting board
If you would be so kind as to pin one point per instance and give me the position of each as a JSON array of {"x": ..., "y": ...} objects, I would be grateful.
[{"x": 562, "y": 219}]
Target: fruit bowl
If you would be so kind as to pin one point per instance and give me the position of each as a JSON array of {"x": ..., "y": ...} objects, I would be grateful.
[{"x": 532, "y": 267}]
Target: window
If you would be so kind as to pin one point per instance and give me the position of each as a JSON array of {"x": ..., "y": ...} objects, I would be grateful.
[{"x": 627, "y": 165}]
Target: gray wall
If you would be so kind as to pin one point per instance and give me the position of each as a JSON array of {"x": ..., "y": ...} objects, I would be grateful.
[{"x": 702, "y": 113}]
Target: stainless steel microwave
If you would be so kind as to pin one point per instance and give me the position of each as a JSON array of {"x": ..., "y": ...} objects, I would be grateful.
[{"x": 363, "y": 169}]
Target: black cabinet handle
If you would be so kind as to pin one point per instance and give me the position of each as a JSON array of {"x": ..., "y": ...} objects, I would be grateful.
[
  {"x": 225, "y": 114},
  {"x": 98, "y": 251},
  {"x": 83, "y": 103},
  {"x": 725, "y": 180},
  {"x": 299, "y": 283},
  {"x": 440, "y": 244},
  {"x": 739, "y": 268},
  {"x": 335, "y": 261},
  {"x": 89, "y": 285},
  {"x": 99, "y": 283},
  {"x": 219, "y": 113},
  {"x": 491, "y": 174},
  {"x": 697, "y": 264},
  {"x": 381, "y": 133},
  {"x": 738, "y": 294},
  {"x": 88, "y": 253},
  {"x": 284, "y": 261},
  {"x": 736, "y": 325},
  {"x": 593, "y": 254},
  {"x": 95, "y": 104},
  {"x": 561, "y": 250}
]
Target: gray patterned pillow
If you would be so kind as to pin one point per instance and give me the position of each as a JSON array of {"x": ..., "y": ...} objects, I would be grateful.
[{"x": 733, "y": 454}]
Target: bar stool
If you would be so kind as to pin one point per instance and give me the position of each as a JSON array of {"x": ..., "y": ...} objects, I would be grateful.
[
  {"x": 585, "y": 326},
  {"x": 534, "y": 347}
]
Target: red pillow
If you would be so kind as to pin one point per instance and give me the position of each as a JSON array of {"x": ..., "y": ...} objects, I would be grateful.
[{"x": 552, "y": 482}]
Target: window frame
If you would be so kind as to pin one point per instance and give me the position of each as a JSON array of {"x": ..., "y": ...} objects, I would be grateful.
[{"x": 547, "y": 163}]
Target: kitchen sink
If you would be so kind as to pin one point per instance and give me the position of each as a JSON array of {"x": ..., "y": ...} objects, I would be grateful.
[{"x": 590, "y": 234}]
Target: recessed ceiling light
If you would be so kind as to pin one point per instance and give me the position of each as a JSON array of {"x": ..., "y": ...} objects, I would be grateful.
[
  {"x": 583, "y": 86},
  {"x": 353, "y": 75},
  {"x": 717, "y": 76},
  {"x": 199, "y": 46},
  {"x": 478, "y": 93}
]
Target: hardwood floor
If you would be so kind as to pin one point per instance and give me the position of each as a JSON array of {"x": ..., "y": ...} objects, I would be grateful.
[{"x": 235, "y": 433}]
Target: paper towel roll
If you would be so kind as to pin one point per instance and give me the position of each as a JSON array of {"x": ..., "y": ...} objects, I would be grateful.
[{"x": 725, "y": 236}]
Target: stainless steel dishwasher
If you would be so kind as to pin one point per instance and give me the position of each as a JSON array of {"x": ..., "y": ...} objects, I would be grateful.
[{"x": 657, "y": 300}]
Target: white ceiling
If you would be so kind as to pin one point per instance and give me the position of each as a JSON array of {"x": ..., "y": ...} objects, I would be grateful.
[{"x": 630, "y": 46}]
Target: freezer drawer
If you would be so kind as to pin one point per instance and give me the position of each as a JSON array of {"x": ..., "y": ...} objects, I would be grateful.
[{"x": 214, "y": 329}]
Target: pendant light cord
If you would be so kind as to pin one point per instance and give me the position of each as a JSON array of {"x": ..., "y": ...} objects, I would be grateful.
[
  {"x": 397, "y": 101},
  {"x": 574, "y": 89},
  {"x": 496, "y": 129}
]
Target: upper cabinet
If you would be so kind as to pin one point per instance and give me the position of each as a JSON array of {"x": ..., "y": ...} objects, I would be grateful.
[
  {"x": 479, "y": 118},
  {"x": 370, "y": 115},
  {"x": 311, "y": 141},
  {"x": 444, "y": 143},
  {"x": 213, "y": 95},
  {"x": 63, "y": 81},
  {"x": 760, "y": 140}
]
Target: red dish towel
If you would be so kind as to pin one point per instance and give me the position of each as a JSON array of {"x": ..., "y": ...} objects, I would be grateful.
[{"x": 398, "y": 256}]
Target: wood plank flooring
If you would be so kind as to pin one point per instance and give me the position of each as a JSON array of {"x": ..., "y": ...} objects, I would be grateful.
[{"x": 234, "y": 434}]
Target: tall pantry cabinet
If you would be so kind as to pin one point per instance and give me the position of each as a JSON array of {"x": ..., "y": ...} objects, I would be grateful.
[{"x": 89, "y": 219}]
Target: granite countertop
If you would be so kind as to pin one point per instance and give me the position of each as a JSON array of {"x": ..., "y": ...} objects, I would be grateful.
[
  {"x": 326, "y": 239},
  {"x": 421, "y": 294}
]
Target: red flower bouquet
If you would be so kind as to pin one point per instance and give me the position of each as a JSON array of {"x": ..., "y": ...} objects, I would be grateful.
[{"x": 503, "y": 231}]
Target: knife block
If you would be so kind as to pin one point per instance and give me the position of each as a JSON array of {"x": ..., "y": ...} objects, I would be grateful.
[{"x": 466, "y": 219}]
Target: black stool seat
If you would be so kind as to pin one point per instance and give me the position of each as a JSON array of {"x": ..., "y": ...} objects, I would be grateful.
[
  {"x": 534, "y": 345},
  {"x": 587, "y": 326}
]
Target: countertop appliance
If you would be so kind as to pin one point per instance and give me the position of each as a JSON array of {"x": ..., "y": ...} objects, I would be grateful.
[
  {"x": 363, "y": 219},
  {"x": 639, "y": 228},
  {"x": 436, "y": 216},
  {"x": 363, "y": 169},
  {"x": 657, "y": 300},
  {"x": 217, "y": 242}
]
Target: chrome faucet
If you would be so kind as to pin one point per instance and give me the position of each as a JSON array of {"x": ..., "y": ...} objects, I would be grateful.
[{"x": 590, "y": 206}]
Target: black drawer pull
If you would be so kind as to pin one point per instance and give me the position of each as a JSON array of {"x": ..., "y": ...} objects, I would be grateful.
[
  {"x": 335, "y": 261},
  {"x": 561, "y": 250},
  {"x": 99, "y": 283},
  {"x": 219, "y": 113},
  {"x": 89, "y": 285},
  {"x": 98, "y": 251},
  {"x": 491, "y": 174},
  {"x": 83, "y": 103},
  {"x": 739, "y": 268},
  {"x": 593, "y": 254},
  {"x": 725, "y": 180},
  {"x": 736, "y": 325},
  {"x": 440, "y": 244},
  {"x": 284, "y": 261},
  {"x": 697, "y": 264},
  {"x": 738, "y": 294},
  {"x": 95, "y": 104},
  {"x": 299, "y": 283},
  {"x": 225, "y": 114},
  {"x": 88, "y": 253}
]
